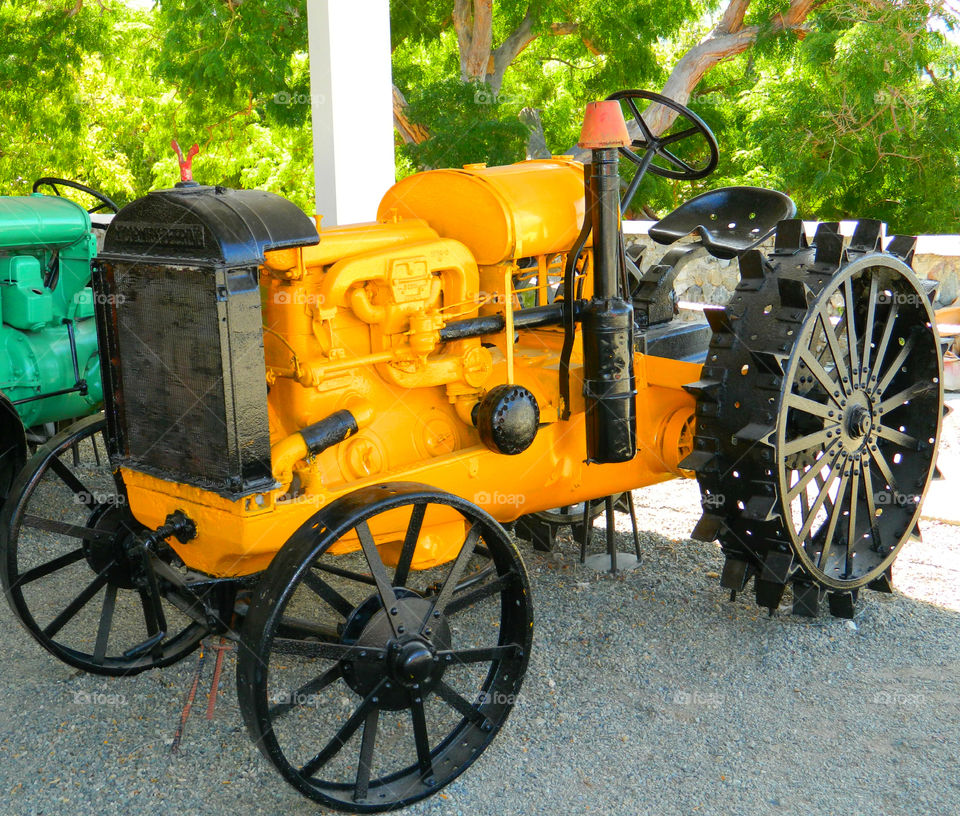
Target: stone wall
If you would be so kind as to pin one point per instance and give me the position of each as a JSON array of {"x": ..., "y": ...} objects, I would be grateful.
[{"x": 710, "y": 280}]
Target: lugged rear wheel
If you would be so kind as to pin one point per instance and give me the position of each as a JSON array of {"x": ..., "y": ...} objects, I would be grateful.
[{"x": 819, "y": 414}]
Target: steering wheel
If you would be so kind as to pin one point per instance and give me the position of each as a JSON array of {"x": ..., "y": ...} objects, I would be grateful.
[
  {"x": 647, "y": 147},
  {"x": 53, "y": 182}
]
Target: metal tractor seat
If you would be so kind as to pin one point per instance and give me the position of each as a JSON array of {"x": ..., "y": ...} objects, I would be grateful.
[{"x": 728, "y": 221}]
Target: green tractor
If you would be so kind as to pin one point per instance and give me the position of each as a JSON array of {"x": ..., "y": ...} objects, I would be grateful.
[{"x": 49, "y": 367}]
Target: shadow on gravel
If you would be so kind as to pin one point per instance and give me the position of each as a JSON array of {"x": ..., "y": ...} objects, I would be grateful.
[{"x": 646, "y": 693}]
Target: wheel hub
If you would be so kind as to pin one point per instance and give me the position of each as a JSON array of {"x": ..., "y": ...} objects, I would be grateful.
[
  {"x": 99, "y": 553},
  {"x": 412, "y": 662},
  {"x": 411, "y": 667},
  {"x": 856, "y": 422}
]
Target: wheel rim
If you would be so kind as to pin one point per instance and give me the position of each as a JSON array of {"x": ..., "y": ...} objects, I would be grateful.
[
  {"x": 857, "y": 439},
  {"x": 66, "y": 571},
  {"x": 364, "y": 710}
]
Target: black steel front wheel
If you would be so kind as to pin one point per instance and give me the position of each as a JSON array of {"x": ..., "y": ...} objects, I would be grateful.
[
  {"x": 370, "y": 685},
  {"x": 71, "y": 567}
]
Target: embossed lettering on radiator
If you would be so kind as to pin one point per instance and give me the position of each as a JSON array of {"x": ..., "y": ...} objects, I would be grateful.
[{"x": 189, "y": 236}]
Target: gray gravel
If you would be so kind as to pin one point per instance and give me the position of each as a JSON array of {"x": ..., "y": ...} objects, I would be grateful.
[{"x": 646, "y": 693}]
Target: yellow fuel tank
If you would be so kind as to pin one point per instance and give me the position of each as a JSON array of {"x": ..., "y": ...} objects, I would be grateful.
[{"x": 500, "y": 213}]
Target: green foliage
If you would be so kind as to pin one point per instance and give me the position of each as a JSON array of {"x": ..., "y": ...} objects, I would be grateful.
[
  {"x": 858, "y": 117},
  {"x": 849, "y": 122},
  {"x": 97, "y": 95}
]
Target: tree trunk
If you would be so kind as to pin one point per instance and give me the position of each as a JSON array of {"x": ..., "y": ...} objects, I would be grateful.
[{"x": 537, "y": 142}]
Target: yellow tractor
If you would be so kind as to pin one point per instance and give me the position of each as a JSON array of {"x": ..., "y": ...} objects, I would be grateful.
[{"x": 313, "y": 438}]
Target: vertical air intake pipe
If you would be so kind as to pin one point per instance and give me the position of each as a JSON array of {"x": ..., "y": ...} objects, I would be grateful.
[{"x": 609, "y": 385}]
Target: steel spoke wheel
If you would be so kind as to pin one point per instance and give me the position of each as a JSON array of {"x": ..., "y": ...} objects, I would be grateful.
[
  {"x": 856, "y": 439},
  {"x": 371, "y": 685},
  {"x": 818, "y": 418},
  {"x": 70, "y": 568}
]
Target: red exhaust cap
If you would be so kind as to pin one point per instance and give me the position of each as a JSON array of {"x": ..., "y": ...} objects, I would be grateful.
[{"x": 604, "y": 126}]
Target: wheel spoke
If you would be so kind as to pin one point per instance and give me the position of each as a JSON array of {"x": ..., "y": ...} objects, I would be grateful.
[
  {"x": 836, "y": 511},
  {"x": 72, "y": 530},
  {"x": 641, "y": 123},
  {"x": 325, "y": 651},
  {"x": 456, "y": 701},
  {"x": 840, "y": 364},
  {"x": 850, "y": 316},
  {"x": 106, "y": 622},
  {"x": 896, "y": 365},
  {"x": 402, "y": 571},
  {"x": 868, "y": 330},
  {"x": 822, "y": 496},
  {"x": 453, "y": 577},
  {"x": 347, "y": 730},
  {"x": 852, "y": 521},
  {"x": 887, "y": 334},
  {"x": 918, "y": 389},
  {"x": 898, "y": 437},
  {"x": 679, "y": 136},
  {"x": 817, "y": 439},
  {"x": 421, "y": 738},
  {"x": 77, "y": 604},
  {"x": 379, "y": 572},
  {"x": 365, "y": 761},
  {"x": 153, "y": 617},
  {"x": 815, "y": 470},
  {"x": 327, "y": 593},
  {"x": 43, "y": 570},
  {"x": 297, "y": 698},
  {"x": 360, "y": 578},
  {"x": 808, "y": 406},
  {"x": 676, "y": 161},
  {"x": 481, "y": 655},
  {"x": 829, "y": 385},
  {"x": 303, "y": 629},
  {"x": 871, "y": 506},
  {"x": 468, "y": 599},
  {"x": 69, "y": 478},
  {"x": 884, "y": 468}
]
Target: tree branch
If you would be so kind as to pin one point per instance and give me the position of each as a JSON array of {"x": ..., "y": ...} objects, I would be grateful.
[
  {"x": 732, "y": 20},
  {"x": 510, "y": 49},
  {"x": 410, "y": 132}
]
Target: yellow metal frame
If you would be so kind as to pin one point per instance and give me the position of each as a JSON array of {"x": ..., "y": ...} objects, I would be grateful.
[{"x": 355, "y": 322}]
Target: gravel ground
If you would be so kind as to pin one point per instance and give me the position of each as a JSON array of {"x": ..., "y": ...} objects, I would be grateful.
[{"x": 646, "y": 693}]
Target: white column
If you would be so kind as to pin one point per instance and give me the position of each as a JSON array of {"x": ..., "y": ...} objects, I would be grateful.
[{"x": 352, "y": 101}]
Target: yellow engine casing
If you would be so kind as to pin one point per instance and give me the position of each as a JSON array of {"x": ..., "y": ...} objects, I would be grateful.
[{"x": 353, "y": 323}]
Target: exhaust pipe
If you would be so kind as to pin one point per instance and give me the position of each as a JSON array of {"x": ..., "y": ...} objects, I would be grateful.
[{"x": 609, "y": 383}]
